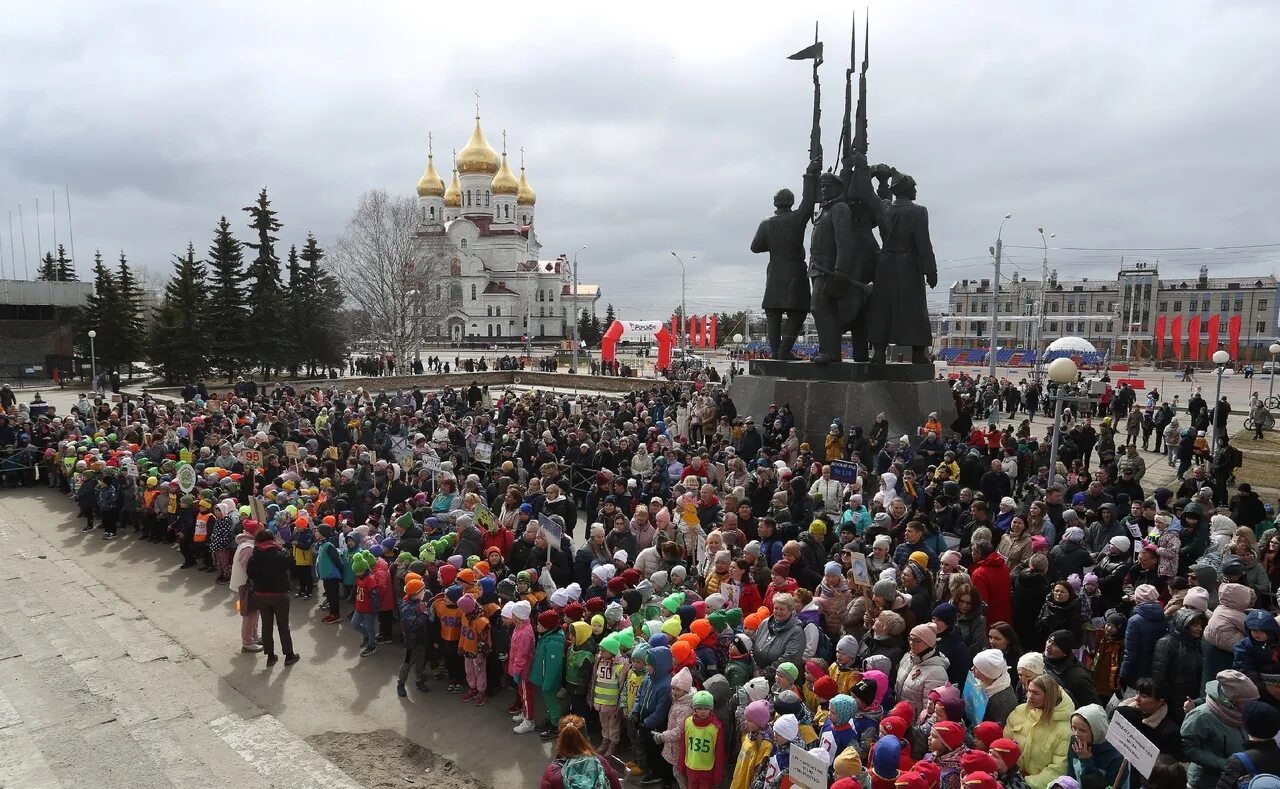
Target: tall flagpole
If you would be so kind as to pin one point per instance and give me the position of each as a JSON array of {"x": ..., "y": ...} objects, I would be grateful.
[
  {"x": 71, "y": 230},
  {"x": 54, "y": 195},
  {"x": 22, "y": 226},
  {"x": 39, "y": 241}
]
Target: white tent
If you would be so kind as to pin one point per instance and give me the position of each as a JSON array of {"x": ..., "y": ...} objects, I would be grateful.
[{"x": 1072, "y": 345}]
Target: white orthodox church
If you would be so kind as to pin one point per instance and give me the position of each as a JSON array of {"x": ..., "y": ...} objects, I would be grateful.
[{"x": 481, "y": 225}]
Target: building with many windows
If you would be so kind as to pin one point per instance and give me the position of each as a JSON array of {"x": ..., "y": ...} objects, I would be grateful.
[
  {"x": 1119, "y": 316},
  {"x": 479, "y": 231}
]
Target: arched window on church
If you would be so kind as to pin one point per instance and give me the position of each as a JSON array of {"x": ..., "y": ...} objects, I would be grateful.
[
  {"x": 473, "y": 291},
  {"x": 488, "y": 311},
  {"x": 506, "y": 212},
  {"x": 468, "y": 197},
  {"x": 542, "y": 329},
  {"x": 486, "y": 199},
  {"x": 498, "y": 329},
  {"x": 462, "y": 244},
  {"x": 497, "y": 311},
  {"x": 455, "y": 293}
]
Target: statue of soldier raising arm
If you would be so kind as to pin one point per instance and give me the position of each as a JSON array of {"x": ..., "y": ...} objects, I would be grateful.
[{"x": 786, "y": 290}]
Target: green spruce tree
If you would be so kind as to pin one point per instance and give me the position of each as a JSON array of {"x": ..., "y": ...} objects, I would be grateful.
[
  {"x": 326, "y": 341},
  {"x": 48, "y": 271},
  {"x": 264, "y": 295},
  {"x": 224, "y": 326},
  {"x": 131, "y": 329},
  {"x": 177, "y": 339},
  {"x": 97, "y": 314},
  {"x": 66, "y": 266},
  {"x": 609, "y": 316}
]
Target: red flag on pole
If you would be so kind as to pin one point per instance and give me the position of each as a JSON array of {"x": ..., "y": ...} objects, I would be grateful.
[
  {"x": 706, "y": 331},
  {"x": 693, "y": 333},
  {"x": 713, "y": 331},
  {"x": 675, "y": 327},
  {"x": 1212, "y": 328},
  {"x": 1175, "y": 332},
  {"x": 1233, "y": 335},
  {"x": 1160, "y": 336},
  {"x": 1193, "y": 338}
]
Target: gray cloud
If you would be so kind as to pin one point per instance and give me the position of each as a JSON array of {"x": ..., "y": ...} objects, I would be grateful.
[{"x": 668, "y": 128}]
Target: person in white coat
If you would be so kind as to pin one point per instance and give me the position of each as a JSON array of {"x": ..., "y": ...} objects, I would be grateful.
[
  {"x": 922, "y": 669},
  {"x": 240, "y": 585}
]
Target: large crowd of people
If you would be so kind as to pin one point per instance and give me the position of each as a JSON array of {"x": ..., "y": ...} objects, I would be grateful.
[{"x": 677, "y": 593}]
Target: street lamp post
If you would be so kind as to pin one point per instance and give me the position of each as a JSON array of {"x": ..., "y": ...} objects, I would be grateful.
[
  {"x": 1271, "y": 388},
  {"x": 684, "y": 310},
  {"x": 413, "y": 325},
  {"x": 1044, "y": 289},
  {"x": 573, "y": 366},
  {"x": 1220, "y": 359},
  {"x": 1062, "y": 371},
  {"x": 93, "y": 359},
  {"x": 996, "y": 251}
]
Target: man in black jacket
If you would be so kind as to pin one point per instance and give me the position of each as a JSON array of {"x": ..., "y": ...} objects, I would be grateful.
[
  {"x": 1074, "y": 678},
  {"x": 1261, "y": 724},
  {"x": 951, "y": 644}
]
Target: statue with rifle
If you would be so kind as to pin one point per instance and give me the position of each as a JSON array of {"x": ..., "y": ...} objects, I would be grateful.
[
  {"x": 786, "y": 291},
  {"x": 843, "y": 250}
]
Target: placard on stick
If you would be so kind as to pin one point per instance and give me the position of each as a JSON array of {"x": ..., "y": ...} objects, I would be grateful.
[{"x": 1140, "y": 752}]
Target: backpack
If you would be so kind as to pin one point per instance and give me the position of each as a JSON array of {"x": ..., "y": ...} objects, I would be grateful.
[
  {"x": 825, "y": 649},
  {"x": 304, "y": 539},
  {"x": 1245, "y": 780},
  {"x": 106, "y": 497},
  {"x": 583, "y": 772}
]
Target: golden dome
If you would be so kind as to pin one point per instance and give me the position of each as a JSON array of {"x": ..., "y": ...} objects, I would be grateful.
[
  {"x": 525, "y": 195},
  {"x": 478, "y": 156},
  {"x": 430, "y": 184},
  {"x": 504, "y": 183},
  {"x": 453, "y": 195}
]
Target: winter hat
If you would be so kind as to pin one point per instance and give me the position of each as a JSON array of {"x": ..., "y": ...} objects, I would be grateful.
[
  {"x": 946, "y": 613},
  {"x": 1039, "y": 543},
  {"x": 911, "y": 779},
  {"x": 1145, "y": 593},
  {"x": 1197, "y": 598},
  {"x": 865, "y": 691},
  {"x": 1064, "y": 639},
  {"x": 903, "y": 710},
  {"x": 609, "y": 644},
  {"x": 660, "y": 579},
  {"x": 1008, "y": 750},
  {"x": 882, "y": 541},
  {"x": 1237, "y": 687},
  {"x": 789, "y": 671},
  {"x": 988, "y": 732},
  {"x": 786, "y": 727},
  {"x": 782, "y": 569},
  {"x": 886, "y": 590},
  {"x": 454, "y": 593},
  {"x": 703, "y": 700},
  {"x": 573, "y": 611},
  {"x": 926, "y": 633},
  {"x": 980, "y": 779},
  {"x": 787, "y": 703},
  {"x": 448, "y": 573},
  {"x": 919, "y": 559},
  {"x": 595, "y": 605},
  {"x": 1073, "y": 534},
  {"x": 847, "y": 646},
  {"x": 894, "y": 725},
  {"x": 559, "y": 598},
  {"x": 626, "y": 639},
  {"x": 548, "y": 620},
  {"x": 1033, "y": 662},
  {"x": 843, "y": 707},
  {"x": 413, "y": 586},
  {"x": 714, "y": 602},
  {"x": 952, "y": 733},
  {"x": 832, "y": 568},
  {"x": 825, "y": 688},
  {"x": 757, "y": 688},
  {"x": 521, "y": 610},
  {"x": 757, "y": 712},
  {"x": 885, "y": 758},
  {"x": 1261, "y": 720},
  {"x": 1065, "y": 782},
  {"x": 1121, "y": 543},
  {"x": 612, "y": 614},
  {"x": 752, "y": 548},
  {"x": 990, "y": 663}
]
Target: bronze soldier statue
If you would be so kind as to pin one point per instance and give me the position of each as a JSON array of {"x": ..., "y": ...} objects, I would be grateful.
[
  {"x": 900, "y": 312},
  {"x": 786, "y": 289},
  {"x": 838, "y": 297}
]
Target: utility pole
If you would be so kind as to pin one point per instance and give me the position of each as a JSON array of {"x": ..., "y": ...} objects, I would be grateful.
[
  {"x": 684, "y": 310},
  {"x": 996, "y": 251},
  {"x": 1044, "y": 292}
]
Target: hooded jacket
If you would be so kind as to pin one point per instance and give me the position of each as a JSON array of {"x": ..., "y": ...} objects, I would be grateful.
[
  {"x": 1225, "y": 629},
  {"x": 1254, "y": 658},
  {"x": 1068, "y": 558},
  {"x": 240, "y": 560},
  {"x": 1207, "y": 577},
  {"x": 654, "y": 699},
  {"x": 1075, "y": 679},
  {"x": 1044, "y": 748},
  {"x": 1146, "y": 627},
  {"x": 1104, "y": 761},
  {"x": 991, "y": 579},
  {"x": 1177, "y": 662},
  {"x": 919, "y": 674},
  {"x": 677, "y": 712},
  {"x": 1207, "y": 740}
]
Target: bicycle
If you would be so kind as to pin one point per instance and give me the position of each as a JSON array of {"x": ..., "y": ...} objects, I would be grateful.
[{"x": 1268, "y": 422}]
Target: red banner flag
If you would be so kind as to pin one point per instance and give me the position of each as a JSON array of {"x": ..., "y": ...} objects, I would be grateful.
[
  {"x": 675, "y": 327},
  {"x": 713, "y": 331},
  {"x": 1175, "y": 331},
  {"x": 1159, "y": 336},
  {"x": 1193, "y": 338},
  {"x": 1233, "y": 335},
  {"x": 1212, "y": 330},
  {"x": 706, "y": 331}
]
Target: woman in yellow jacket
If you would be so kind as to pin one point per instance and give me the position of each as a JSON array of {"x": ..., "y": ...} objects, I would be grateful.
[{"x": 1042, "y": 728}]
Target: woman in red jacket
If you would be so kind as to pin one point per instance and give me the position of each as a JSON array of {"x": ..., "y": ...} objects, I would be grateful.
[
  {"x": 991, "y": 579},
  {"x": 575, "y": 757}
]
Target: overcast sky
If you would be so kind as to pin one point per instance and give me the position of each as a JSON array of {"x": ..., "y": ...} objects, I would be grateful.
[{"x": 652, "y": 128}]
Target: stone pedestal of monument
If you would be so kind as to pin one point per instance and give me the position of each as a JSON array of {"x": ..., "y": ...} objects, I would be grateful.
[{"x": 853, "y": 391}]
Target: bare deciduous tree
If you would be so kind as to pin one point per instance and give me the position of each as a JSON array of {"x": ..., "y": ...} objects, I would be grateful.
[{"x": 391, "y": 274}]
